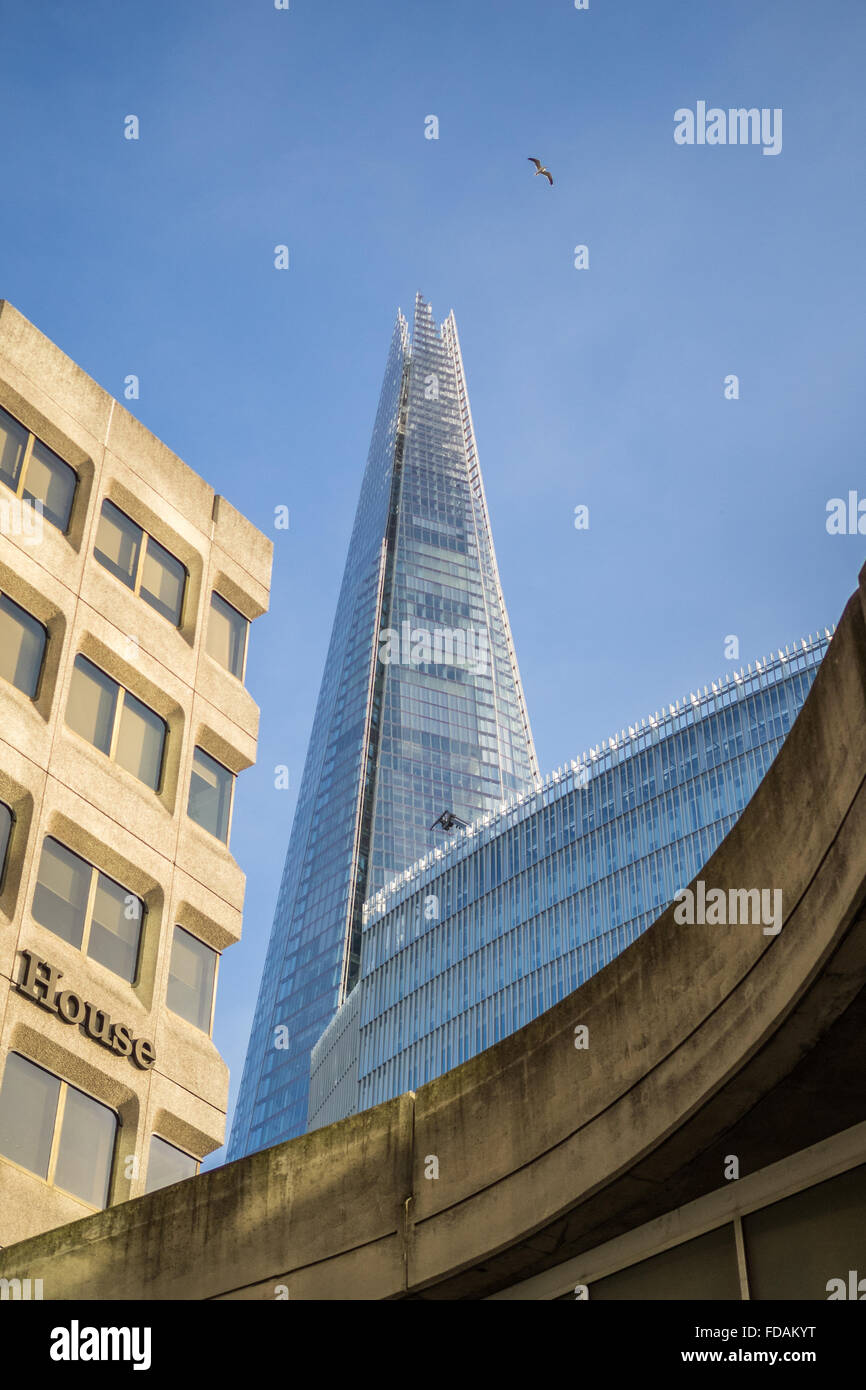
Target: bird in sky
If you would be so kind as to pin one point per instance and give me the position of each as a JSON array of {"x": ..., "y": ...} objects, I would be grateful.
[{"x": 540, "y": 169}]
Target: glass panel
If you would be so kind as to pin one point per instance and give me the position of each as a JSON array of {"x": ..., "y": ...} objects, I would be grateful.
[
  {"x": 118, "y": 542},
  {"x": 191, "y": 979},
  {"x": 167, "y": 1164},
  {"x": 5, "y": 835},
  {"x": 116, "y": 928},
  {"x": 796, "y": 1247},
  {"x": 22, "y": 646},
  {"x": 227, "y": 636},
  {"x": 140, "y": 741},
  {"x": 52, "y": 482},
  {"x": 699, "y": 1269},
  {"x": 62, "y": 889},
  {"x": 92, "y": 700},
  {"x": 86, "y": 1148},
  {"x": 210, "y": 794},
  {"x": 28, "y": 1106},
  {"x": 162, "y": 581},
  {"x": 13, "y": 442}
]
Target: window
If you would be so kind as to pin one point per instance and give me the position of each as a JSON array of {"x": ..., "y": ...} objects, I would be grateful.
[
  {"x": 140, "y": 562},
  {"x": 703, "y": 1268},
  {"x": 56, "y": 1131},
  {"x": 167, "y": 1164},
  {"x": 6, "y": 819},
  {"x": 795, "y": 1246},
  {"x": 115, "y": 722},
  {"x": 34, "y": 472},
  {"x": 227, "y": 636},
  {"x": 191, "y": 977},
  {"x": 22, "y": 646},
  {"x": 88, "y": 909},
  {"x": 210, "y": 794}
]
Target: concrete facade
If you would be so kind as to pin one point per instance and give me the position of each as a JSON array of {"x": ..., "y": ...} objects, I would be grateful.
[
  {"x": 704, "y": 1041},
  {"x": 56, "y": 784}
]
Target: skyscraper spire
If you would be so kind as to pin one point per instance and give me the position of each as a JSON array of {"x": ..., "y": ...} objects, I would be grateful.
[{"x": 420, "y": 711}]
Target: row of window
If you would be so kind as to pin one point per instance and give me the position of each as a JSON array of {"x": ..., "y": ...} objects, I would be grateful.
[
  {"x": 82, "y": 905},
  {"x": 69, "y": 1139},
  {"x": 784, "y": 1251},
  {"x": 125, "y": 549},
  {"x": 113, "y": 720}
]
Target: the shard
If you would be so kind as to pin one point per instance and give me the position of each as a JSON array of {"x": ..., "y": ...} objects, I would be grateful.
[{"x": 420, "y": 714}]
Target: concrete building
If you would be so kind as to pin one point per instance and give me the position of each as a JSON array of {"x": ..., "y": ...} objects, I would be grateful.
[
  {"x": 708, "y": 1143},
  {"x": 127, "y": 588}
]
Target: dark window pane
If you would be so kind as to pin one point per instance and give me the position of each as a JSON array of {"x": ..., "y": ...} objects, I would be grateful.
[
  {"x": 115, "y": 930},
  {"x": 140, "y": 741},
  {"x": 163, "y": 579},
  {"x": 191, "y": 979},
  {"x": 86, "y": 1148},
  {"x": 210, "y": 794},
  {"x": 13, "y": 443},
  {"x": 227, "y": 636},
  {"x": 118, "y": 542},
  {"x": 167, "y": 1164},
  {"x": 22, "y": 646},
  {"x": 5, "y": 835},
  {"x": 28, "y": 1106},
  {"x": 92, "y": 701},
  {"x": 52, "y": 482},
  {"x": 62, "y": 890},
  {"x": 795, "y": 1247},
  {"x": 699, "y": 1269}
]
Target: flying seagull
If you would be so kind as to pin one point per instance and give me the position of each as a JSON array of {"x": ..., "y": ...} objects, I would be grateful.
[{"x": 540, "y": 169}]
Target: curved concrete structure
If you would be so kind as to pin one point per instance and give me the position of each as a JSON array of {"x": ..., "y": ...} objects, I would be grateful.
[{"x": 703, "y": 1041}]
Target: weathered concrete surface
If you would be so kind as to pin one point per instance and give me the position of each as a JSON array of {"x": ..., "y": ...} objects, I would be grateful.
[
  {"x": 703, "y": 1041},
  {"x": 57, "y": 784}
]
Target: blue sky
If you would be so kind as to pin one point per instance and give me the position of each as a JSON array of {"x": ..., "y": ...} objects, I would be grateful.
[{"x": 602, "y": 386}]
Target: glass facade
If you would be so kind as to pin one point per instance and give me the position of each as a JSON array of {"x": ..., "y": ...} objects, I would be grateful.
[
  {"x": 473, "y": 942},
  {"x": 420, "y": 712}
]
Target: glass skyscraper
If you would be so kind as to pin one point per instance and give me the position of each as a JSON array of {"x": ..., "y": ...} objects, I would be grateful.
[
  {"x": 420, "y": 713},
  {"x": 475, "y": 940}
]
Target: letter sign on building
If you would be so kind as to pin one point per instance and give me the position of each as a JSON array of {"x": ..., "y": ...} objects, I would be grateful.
[{"x": 39, "y": 982}]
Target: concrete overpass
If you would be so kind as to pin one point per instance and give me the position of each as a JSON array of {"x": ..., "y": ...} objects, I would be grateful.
[{"x": 703, "y": 1042}]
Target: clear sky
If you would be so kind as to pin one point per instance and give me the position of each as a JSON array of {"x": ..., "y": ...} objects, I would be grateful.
[{"x": 602, "y": 386}]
